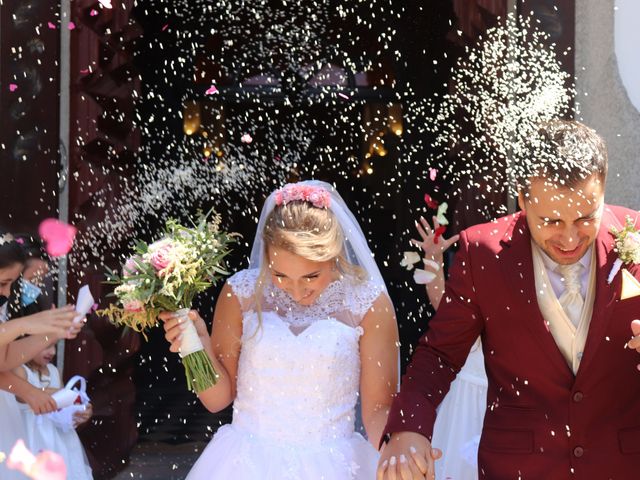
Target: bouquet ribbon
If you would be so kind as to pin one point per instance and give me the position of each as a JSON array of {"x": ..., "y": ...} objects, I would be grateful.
[{"x": 191, "y": 342}]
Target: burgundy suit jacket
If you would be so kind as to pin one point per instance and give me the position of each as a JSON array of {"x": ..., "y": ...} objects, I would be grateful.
[{"x": 542, "y": 422}]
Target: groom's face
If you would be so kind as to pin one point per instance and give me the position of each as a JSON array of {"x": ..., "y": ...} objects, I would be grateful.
[{"x": 563, "y": 221}]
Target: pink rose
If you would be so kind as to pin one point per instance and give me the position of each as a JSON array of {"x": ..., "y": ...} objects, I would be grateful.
[
  {"x": 133, "y": 306},
  {"x": 161, "y": 257},
  {"x": 131, "y": 267}
]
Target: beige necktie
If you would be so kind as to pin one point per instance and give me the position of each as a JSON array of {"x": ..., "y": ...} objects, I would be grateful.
[{"x": 571, "y": 300}]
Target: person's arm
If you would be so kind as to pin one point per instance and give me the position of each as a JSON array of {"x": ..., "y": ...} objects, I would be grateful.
[
  {"x": 16, "y": 384},
  {"x": 440, "y": 353},
  {"x": 223, "y": 347},
  {"x": 433, "y": 252},
  {"x": 45, "y": 329},
  {"x": 379, "y": 366}
]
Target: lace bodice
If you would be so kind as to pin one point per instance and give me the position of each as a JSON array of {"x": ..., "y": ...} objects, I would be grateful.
[{"x": 300, "y": 384}]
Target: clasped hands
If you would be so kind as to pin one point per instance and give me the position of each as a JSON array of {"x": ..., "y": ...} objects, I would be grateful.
[
  {"x": 408, "y": 456},
  {"x": 635, "y": 339}
]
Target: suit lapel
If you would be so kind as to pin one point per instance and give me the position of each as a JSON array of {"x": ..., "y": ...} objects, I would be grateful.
[
  {"x": 516, "y": 261},
  {"x": 606, "y": 294}
]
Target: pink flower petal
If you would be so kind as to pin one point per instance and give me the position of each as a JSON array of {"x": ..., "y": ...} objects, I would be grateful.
[
  {"x": 51, "y": 26},
  {"x": 432, "y": 173},
  {"x": 20, "y": 458},
  {"x": 58, "y": 236},
  {"x": 212, "y": 89},
  {"x": 13, "y": 87},
  {"x": 49, "y": 466}
]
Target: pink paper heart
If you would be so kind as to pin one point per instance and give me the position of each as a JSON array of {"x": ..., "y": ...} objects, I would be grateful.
[
  {"x": 71, "y": 25},
  {"x": 13, "y": 87},
  {"x": 211, "y": 90},
  {"x": 58, "y": 236},
  {"x": 51, "y": 26}
]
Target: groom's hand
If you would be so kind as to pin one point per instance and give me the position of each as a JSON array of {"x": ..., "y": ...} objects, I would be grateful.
[
  {"x": 635, "y": 340},
  {"x": 407, "y": 456}
]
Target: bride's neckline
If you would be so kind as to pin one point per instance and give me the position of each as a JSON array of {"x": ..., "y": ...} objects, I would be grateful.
[{"x": 331, "y": 287}]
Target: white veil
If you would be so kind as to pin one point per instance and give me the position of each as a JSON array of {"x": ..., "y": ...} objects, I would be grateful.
[{"x": 356, "y": 249}]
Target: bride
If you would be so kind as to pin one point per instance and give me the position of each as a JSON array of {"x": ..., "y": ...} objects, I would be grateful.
[{"x": 296, "y": 339}]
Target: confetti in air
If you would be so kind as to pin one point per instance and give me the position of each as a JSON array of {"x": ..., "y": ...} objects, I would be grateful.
[{"x": 503, "y": 89}]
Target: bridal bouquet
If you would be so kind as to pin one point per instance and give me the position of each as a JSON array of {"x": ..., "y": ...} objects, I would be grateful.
[{"x": 166, "y": 276}]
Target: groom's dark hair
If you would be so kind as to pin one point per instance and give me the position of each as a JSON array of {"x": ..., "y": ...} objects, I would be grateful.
[{"x": 565, "y": 152}]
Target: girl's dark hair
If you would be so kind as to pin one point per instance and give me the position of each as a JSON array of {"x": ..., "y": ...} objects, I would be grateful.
[
  {"x": 11, "y": 252},
  {"x": 31, "y": 246}
]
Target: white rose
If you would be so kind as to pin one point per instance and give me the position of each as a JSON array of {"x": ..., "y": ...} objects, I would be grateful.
[{"x": 631, "y": 241}]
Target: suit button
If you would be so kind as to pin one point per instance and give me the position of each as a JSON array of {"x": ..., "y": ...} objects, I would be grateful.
[
  {"x": 578, "y": 451},
  {"x": 578, "y": 396}
]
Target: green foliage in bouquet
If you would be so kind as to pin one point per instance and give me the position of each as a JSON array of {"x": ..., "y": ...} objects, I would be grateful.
[{"x": 166, "y": 275}]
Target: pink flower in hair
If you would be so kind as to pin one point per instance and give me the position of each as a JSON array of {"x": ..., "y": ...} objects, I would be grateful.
[{"x": 292, "y": 192}]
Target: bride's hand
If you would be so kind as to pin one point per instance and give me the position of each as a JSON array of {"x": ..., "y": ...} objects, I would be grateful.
[
  {"x": 432, "y": 250},
  {"x": 174, "y": 326}
]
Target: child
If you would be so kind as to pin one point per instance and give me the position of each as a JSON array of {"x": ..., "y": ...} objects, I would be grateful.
[
  {"x": 461, "y": 413},
  {"x": 296, "y": 339},
  {"x": 44, "y": 328},
  {"x": 41, "y": 432}
]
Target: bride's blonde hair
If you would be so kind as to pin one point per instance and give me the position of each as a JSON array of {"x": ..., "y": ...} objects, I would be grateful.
[{"x": 313, "y": 233}]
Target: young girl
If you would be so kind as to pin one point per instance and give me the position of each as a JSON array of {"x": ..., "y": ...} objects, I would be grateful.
[
  {"x": 44, "y": 328},
  {"x": 41, "y": 432},
  {"x": 296, "y": 339},
  {"x": 460, "y": 415}
]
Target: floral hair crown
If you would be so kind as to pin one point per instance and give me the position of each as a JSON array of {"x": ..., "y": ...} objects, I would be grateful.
[{"x": 317, "y": 196}]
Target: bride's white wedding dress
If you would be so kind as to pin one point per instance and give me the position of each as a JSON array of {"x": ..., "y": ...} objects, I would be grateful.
[{"x": 297, "y": 388}]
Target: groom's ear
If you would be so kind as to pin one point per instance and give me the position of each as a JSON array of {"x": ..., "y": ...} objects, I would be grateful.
[{"x": 521, "y": 201}]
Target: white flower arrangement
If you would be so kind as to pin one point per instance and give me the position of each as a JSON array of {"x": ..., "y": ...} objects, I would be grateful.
[{"x": 626, "y": 245}]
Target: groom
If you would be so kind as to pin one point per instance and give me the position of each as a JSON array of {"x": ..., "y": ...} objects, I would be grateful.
[{"x": 564, "y": 388}]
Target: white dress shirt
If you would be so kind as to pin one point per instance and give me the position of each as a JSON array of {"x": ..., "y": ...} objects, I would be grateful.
[{"x": 556, "y": 279}]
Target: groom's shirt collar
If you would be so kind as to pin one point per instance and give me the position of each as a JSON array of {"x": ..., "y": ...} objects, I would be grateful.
[{"x": 557, "y": 283}]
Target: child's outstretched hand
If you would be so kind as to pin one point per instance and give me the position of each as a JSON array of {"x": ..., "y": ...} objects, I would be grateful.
[
  {"x": 56, "y": 322},
  {"x": 433, "y": 244}
]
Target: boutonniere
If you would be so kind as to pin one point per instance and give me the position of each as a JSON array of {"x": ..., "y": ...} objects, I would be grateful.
[{"x": 626, "y": 245}]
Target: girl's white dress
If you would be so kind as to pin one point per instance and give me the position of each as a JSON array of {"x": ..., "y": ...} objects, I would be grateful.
[
  {"x": 459, "y": 421},
  {"x": 42, "y": 433},
  {"x": 12, "y": 428},
  {"x": 297, "y": 388}
]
